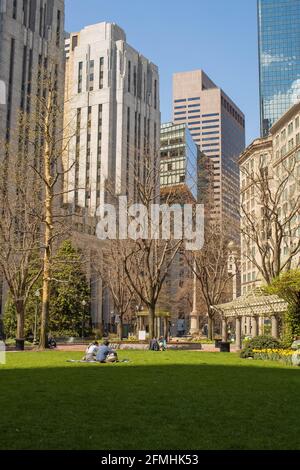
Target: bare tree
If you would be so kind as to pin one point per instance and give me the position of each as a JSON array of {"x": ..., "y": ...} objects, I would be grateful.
[
  {"x": 270, "y": 230},
  {"x": 39, "y": 172},
  {"x": 19, "y": 229},
  {"x": 112, "y": 272},
  {"x": 212, "y": 270},
  {"x": 147, "y": 260}
]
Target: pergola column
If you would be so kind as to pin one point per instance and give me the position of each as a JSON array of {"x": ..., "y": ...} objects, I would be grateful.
[
  {"x": 238, "y": 332},
  {"x": 224, "y": 330},
  {"x": 274, "y": 329},
  {"x": 255, "y": 325},
  {"x": 248, "y": 325},
  {"x": 261, "y": 325}
]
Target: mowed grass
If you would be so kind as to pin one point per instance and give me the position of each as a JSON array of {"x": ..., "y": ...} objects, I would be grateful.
[{"x": 172, "y": 400}]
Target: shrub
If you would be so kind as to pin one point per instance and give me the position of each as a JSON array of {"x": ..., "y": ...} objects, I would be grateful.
[{"x": 257, "y": 343}]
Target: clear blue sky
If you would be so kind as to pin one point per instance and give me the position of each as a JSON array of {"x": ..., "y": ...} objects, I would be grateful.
[{"x": 219, "y": 36}]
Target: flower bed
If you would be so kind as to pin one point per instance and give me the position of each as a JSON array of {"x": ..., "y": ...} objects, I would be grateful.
[{"x": 282, "y": 355}]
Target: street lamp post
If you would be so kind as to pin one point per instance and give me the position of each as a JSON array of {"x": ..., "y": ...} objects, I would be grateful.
[{"x": 83, "y": 303}]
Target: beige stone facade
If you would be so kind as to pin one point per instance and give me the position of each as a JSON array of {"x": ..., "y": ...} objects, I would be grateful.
[
  {"x": 113, "y": 95},
  {"x": 279, "y": 156}
]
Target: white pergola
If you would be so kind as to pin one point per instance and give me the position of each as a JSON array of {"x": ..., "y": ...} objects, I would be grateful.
[{"x": 255, "y": 305}]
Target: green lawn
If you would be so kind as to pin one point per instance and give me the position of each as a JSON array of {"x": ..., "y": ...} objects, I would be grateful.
[{"x": 172, "y": 400}]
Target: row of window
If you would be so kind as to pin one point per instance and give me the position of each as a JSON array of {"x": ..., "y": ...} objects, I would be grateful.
[
  {"x": 294, "y": 125},
  {"x": 183, "y": 113},
  {"x": 91, "y": 75},
  {"x": 289, "y": 146},
  {"x": 188, "y": 106},
  {"x": 186, "y": 99},
  {"x": 233, "y": 112}
]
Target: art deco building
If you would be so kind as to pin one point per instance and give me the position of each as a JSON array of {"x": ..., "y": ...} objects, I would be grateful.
[{"x": 113, "y": 97}]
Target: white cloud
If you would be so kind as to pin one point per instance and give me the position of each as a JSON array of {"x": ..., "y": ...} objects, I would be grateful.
[
  {"x": 292, "y": 95},
  {"x": 269, "y": 59}
]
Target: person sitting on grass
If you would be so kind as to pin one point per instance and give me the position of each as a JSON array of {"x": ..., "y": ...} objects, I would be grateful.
[
  {"x": 91, "y": 352},
  {"x": 106, "y": 354},
  {"x": 154, "y": 346},
  {"x": 162, "y": 344}
]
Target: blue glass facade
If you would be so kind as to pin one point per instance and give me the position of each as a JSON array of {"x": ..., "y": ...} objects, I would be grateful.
[
  {"x": 179, "y": 156},
  {"x": 279, "y": 58}
]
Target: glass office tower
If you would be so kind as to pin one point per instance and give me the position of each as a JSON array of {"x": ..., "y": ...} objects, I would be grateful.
[{"x": 279, "y": 58}]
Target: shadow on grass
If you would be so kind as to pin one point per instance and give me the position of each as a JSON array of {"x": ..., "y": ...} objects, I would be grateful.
[{"x": 180, "y": 406}]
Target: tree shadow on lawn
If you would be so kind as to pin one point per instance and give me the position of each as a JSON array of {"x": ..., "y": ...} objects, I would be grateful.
[{"x": 196, "y": 406}]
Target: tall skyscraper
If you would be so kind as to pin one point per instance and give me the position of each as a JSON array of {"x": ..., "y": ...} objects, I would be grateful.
[
  {"x": 31, "y": 39},
  {"x": 113, "y": 96},
  {"x": 217, "y": 125},
  {"x": 279, "y": 58},
  {"x": 31, "y": 45},
  {"x": 179, "y": 158}
]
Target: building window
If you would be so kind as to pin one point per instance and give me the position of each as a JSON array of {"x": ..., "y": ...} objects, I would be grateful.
[
  {"x": 211, "y": 121},
  {"x": 210, "y": 115},
  {"x": 41, "y": 20},
  {"x": 25, "y": 12},
  {"x": 80, "y": 69},
  {"x": 134, "y": 81},
  {"x": 24, "y": 70},
  {"x": 74, "y": 42},
  {"x": 77, "y": 156},
  {"x": 10, "y": 87},
  {"x": 283, "y": 135},
  {"x": 91, "y": 76},
  {"x": 101, "y": 73},
  {"x": 58, "y": 30},
  {"x": 88, "y": 156},
  {"x": 129, "y": 76},
  {"x": 155, "y": 94},
  {"x": 127, "y": 150},
  {"x": 15, "y": 9},
  {"x": 193, "y": 99}
]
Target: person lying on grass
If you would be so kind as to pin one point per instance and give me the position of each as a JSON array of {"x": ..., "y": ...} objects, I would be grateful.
[{"x": 106, "y": 354}]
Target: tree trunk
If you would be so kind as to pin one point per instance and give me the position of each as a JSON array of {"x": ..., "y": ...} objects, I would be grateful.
[
  {"x": 210, "y": 333},
  {"x": 120, "y": 328},
  {"x": 20, "y": 333},
  {"x": 20, "y": 307},
  {"x": 47, "y": 244},
  {"x": 45, "y": 301},
  {"x": 151, "y": 311}
]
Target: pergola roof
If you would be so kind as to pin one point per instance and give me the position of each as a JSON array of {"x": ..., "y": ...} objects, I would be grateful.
[{"x": 254, "y": 303}]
